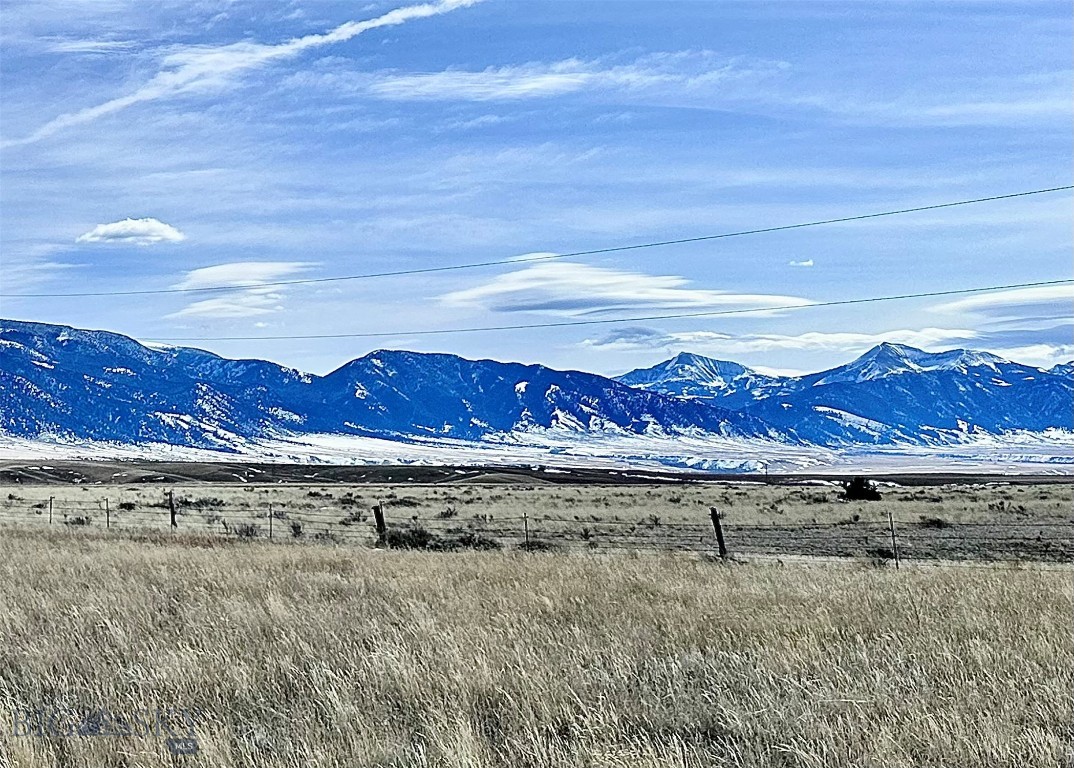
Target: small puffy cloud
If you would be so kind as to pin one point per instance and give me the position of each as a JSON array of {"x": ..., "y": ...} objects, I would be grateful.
[
  {"x": 570, "y": 289},
  {"x": 806, "y": 263},
  {"x": 148, "y": 231}
]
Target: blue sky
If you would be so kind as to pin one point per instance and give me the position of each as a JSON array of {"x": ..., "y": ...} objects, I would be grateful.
[{"x": 186, "y": 144}]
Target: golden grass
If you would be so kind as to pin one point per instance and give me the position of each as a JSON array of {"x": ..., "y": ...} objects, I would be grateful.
[{"x": 336, "y": 656}]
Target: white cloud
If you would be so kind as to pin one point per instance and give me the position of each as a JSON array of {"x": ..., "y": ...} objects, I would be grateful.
[
  {"x": 806, "y": 263},
  {"x": 722, "y": 344},
  {"x": 203, "y": 68},
  {"x": 1040, "y": 355},
  {"x": 658, "y": 73},
  {"x": 571, "y": 289},
  {"x": 91, "y": 46},
  {"x": 242, "y": 273},
  {"x": 249, "y": 303},
  {"x": 250, "y": 299},
  {"x": 146, "y": 231},
  {"x": 985, "y": 302}
]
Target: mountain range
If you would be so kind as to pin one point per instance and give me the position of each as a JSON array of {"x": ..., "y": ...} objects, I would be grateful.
[
  {"x": 892, "y": 393},
  {"x": 58, "y": 382}
]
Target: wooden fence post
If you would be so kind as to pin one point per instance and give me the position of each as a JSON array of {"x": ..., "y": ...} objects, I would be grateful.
[
  {"x": 894, "y": 541},
  {"x": 171, "y": 509},
  {"x": 714, "y": 515},
  {"x": 378, "y": 518},
  {"x": 50, "y": 510},
  {"x": 270, "y": 522},
  {"x": 107, "y": 515},
  {"x": 526, "y": 527}
]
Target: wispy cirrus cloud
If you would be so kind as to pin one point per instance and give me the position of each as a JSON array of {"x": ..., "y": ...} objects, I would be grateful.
[
  {"x": 1045, "y": 300},
  {"x": 567, "y": 288},
  {"x": 714, "y": 343},
  {"x": 1028, "y": 346},
  {"x": 663, "y": 72},
  {"x": 147, "y": 231},
  {"x": 239, "y": 274},
  {"x": 201, "y": 68},
  {"x": 99, "y": 47},
  {"x": 250, "y": 299}
]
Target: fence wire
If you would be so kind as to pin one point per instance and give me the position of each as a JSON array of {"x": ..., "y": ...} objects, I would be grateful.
[{"x": 921, "y": 539}]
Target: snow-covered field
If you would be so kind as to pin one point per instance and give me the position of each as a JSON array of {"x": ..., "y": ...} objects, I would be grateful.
[{"x": 1043, "y": 453}]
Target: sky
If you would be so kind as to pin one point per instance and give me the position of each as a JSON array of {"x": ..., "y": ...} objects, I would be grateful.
[{"x": 201, "y": 143}]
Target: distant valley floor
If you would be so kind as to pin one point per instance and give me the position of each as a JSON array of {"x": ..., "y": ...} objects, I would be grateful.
[{"x": 1048, "y": 453}]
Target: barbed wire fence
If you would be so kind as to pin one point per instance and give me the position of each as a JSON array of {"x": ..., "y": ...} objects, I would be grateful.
[{"x": 883, "y": 538}]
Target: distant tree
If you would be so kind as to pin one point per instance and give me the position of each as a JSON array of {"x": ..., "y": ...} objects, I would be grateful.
[{"x": 859, "y": 489}]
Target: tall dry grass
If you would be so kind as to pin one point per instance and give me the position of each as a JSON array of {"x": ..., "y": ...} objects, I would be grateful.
[{"x": 321, "y": 656}]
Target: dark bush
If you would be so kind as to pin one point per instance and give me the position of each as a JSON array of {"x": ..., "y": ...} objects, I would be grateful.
[
  {"x": 537, "y": 545},
  {"x": 81, "y": 520},
  {"x": 470, "y": 540},
  {"x": 202, "y": 503},
  {"x": 934, "y": 522},
  {"x": 859, "y": 489},
  {"x": 247, "y": 530},
  {"x": 417, "y": 537},
  {"x": 126, "y": 506},
  {"x": 413, "y": 537}
]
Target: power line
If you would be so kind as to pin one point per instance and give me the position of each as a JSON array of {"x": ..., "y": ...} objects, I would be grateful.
[
  {"x": 640, "y": 318},
  {"x": 531, "y": 259}
]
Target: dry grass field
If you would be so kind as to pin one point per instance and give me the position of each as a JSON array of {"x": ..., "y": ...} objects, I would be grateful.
[
  {"x": 308, "y": 655},
  {"x": 993, "y": 521}
]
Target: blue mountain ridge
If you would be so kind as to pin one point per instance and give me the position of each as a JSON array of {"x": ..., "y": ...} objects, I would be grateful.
[
  {"x": 57, "y": 381},
  {"x": 892, "y": 393}
]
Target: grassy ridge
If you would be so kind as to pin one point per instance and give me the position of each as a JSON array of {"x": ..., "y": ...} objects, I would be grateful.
[{"x": 325, "y": 656}]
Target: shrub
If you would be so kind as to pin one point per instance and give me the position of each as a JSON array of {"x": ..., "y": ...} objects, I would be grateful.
[
  {"x": 859, "y": 489},
  {"x": 417, "y": 537},
  {"x": 538, "y": 545},
  {"x": 203, "y": 503},
  {"x": 412, "y": 537},
  {"x": 880, "y": 557},
  {"x": 296, "y": 529},
  {"x": 933, "y": 522},
  {"x": 81, "y": 520},
  {"x": 126, "y": 506},
  {"x": 353, "y": 517},
  {"x": 247, "y": 530},
  {"x": 479, "y": 541}
]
